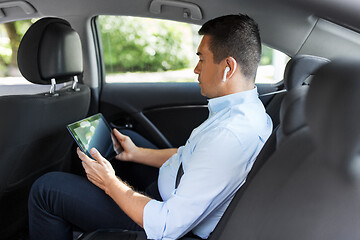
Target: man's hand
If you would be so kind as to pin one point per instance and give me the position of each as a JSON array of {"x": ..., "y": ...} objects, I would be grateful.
[
  {"x": 146, "y": 156},
  {"x": 129, "y": 147},
  {"x": 99, "y": 172}
]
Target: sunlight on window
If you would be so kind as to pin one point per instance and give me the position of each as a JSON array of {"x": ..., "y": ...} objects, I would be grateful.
[
  {"x": 10, "y": 37},
  {"x": 11, "y": 34},
  {"x": 272, "y": 66}
]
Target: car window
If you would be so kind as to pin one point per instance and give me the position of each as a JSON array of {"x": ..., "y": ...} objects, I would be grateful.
[
  {"x": 151, "y": 50},
  {"x": 272, "y": 66},
  {"x": 10, "y": 37}
]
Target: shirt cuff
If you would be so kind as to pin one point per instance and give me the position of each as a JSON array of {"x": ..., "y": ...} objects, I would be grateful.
[{"x": 154, "y": 219}]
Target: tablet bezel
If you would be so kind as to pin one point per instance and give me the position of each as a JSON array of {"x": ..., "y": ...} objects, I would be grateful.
[{"x": 71, "y": 129}]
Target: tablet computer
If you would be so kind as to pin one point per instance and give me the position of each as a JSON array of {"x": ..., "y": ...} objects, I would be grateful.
[{"x": 95, "y": 131}]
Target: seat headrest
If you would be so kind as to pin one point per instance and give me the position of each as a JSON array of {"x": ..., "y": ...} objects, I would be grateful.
[
  {"x": 299, "y": 68},
  {"x": 50, "y": 49},
  {"x": 333, "y": 110}
]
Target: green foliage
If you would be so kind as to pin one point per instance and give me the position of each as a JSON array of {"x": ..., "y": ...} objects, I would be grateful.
[
  {"x": 141, "y": 44},
  {"x": 23, "y": 26},
  {"x": 10, "y": 36},
  {"x": 5, "y": 48},
  {"x": 267, "y": 55}
]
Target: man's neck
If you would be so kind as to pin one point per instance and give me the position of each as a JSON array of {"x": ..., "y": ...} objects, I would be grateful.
[{"x": 238, "y": 86}]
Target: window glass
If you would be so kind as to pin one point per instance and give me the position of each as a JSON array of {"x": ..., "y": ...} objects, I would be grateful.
[
  {"x": 152, "y": 50},
  {"x": 10, "y": 37},
  {"x": 272, "y": 66}
]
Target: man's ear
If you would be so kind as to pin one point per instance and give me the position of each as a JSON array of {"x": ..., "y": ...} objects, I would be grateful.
[{"x": 232, "y": 65}]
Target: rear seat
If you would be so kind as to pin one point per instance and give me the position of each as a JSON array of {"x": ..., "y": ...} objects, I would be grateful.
[
  {"x": 309, "y": 188},
  {"x": 261, "y": 185},
  {"x": 291, "y": 117},
  {"x": 290, "y": 112}
]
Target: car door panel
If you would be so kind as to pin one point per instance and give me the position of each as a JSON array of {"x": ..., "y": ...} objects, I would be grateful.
[{"x": 153, "y": 109}]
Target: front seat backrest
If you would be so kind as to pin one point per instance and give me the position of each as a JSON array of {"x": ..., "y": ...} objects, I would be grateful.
[{"x": 34, "y": 139}]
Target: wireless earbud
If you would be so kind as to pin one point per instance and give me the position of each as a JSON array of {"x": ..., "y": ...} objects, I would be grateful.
[{"x": 227, "y": 69}]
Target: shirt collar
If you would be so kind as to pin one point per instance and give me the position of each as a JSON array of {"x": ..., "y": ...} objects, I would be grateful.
[{"x": 217, "y": 104}]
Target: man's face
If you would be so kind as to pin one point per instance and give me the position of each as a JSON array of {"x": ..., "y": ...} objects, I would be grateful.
[{"x": 210, "y": 73}]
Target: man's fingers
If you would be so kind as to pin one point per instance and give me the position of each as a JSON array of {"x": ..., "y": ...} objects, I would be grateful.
[
  {"x": 97, "y": 156},
  {"x": 118, "y": 135},
  {"x": 83, "y": 156}
]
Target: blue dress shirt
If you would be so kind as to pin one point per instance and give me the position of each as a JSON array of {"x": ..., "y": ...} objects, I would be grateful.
[{"x": 216, "y": 160}]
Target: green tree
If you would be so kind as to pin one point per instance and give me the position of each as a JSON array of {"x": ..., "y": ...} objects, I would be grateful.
[
  {"x": 13, "y": 31},
  {"x": 141, "y": 44},
  {"x": 267, "y": 55}
]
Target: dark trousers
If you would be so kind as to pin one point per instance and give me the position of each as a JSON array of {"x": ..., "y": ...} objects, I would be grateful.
[{"x": 60, "y": 202}]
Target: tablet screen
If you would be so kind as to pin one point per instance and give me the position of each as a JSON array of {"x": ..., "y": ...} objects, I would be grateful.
[{"x": 95, "y": 132}]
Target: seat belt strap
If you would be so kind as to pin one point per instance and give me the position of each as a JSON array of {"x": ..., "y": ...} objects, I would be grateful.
[{"x": 179, "y": 175}]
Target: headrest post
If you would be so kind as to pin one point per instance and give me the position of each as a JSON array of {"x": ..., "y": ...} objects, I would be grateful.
[
  {"x": 75, "y": 84},
  {"x": 53, "y": 88}
]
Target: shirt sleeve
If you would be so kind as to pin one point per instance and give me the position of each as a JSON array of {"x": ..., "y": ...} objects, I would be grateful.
[{"x": 217, "y": 167}]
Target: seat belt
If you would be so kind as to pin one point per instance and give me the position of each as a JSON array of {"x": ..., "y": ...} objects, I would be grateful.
[
  {"x": 190, "y": 235},
  {"x": 179, "y": 175}
]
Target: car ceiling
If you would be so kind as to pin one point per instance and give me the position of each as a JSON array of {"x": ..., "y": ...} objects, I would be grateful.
[{"x": 291, "y": 26}]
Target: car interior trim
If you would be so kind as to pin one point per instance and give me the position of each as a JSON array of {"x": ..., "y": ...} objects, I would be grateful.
[
  {"x": 26, "y": 7},
  {"x": 191, "y": 10}
]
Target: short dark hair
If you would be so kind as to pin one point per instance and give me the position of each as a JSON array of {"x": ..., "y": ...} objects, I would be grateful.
[{"x": 235, "y": 36}]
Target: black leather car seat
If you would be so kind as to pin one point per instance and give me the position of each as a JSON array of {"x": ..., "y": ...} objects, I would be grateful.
[
  {"x": 291, "y": 117},
  {"x": 289, "y": 112},
  {"x": 309, "y": 188},
  {"x": 277, "y": 147},
  {"x": 297, "y": 71},
  {"x": 300, "y": 68},
  {"x": 34, "y": 139},
  {"x": 291, "y": 109}
]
